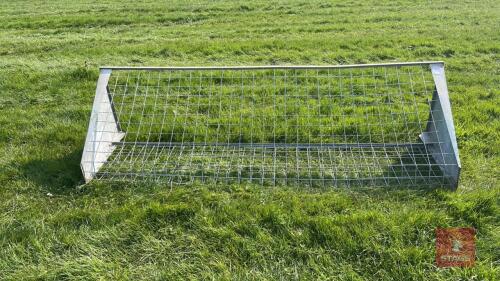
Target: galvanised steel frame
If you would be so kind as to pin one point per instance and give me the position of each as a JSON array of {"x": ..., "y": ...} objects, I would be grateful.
[{"x": 437, "y": 144}]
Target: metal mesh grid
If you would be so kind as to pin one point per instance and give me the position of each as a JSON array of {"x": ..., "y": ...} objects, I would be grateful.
[{"x": 316, "y": 127}]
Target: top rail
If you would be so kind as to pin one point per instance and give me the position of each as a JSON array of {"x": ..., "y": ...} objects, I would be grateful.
[{"x": 159, "y": 68}]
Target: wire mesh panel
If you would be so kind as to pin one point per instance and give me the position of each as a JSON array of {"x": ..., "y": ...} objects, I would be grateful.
[{"x": 315, "y": 126}]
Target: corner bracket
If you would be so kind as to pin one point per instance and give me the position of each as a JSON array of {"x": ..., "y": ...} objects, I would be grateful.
[
  {"x": 103, "y": 130},
  {"x": 439, "y": 136}
]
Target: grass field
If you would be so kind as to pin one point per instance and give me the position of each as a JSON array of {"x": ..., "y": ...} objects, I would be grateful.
[{"x": 54, "y": 228}]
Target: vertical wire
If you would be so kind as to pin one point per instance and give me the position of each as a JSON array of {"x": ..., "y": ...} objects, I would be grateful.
[
  {"x": 172, "y": 149},
  {"x": 241, "y": 153},
  {"x": 405, "y": 121},
  {"x": 285, "y": 117},
  {"x": 263, "y": 136},
  {"x": 297, "y": 127},
  {"x": 393, "y": 121},
  {"x": 419, "y": 122},
  {"x": 153, "y": 122},
  {"x": 352, "y": 95},
  {"x": 274, "y": 126},
  {"x": 162, "y": 126},
  {"x": 220, "y": 116},
  {"x": 427, "y": 153},
  {"x": 196, "y": 133},
  {"x": 384, "y": 149},
  {"x": 182, "y": 146},
  {"x": 143, "y": 149},
  {"x": 364, "y": 106},
  {"x": 192, "y": 135},
  {"x": 331, "y": 137},
  {"x": 130, "y": 118},
  {"x": 342, "y": 159},
  {"x": 252, "y": 128},
  {"x": 308, "y": 131},
  {"x": 210, "y": 167},
  {"x": 229, "y": 157},
  {"x": 320, "y": 130}
]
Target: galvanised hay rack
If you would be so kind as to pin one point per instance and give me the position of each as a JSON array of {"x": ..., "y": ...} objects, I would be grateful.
[{"x": 333, "y": 125}]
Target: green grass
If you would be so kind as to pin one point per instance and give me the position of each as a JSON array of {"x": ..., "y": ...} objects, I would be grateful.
[{"x": 52, "y": 228}]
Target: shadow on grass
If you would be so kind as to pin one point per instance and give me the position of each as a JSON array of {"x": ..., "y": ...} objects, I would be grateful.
[
  {"x": 58, "y": 175},
  {"x": 61, "y": 175},
  {"x": 407, "y": 170}
]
